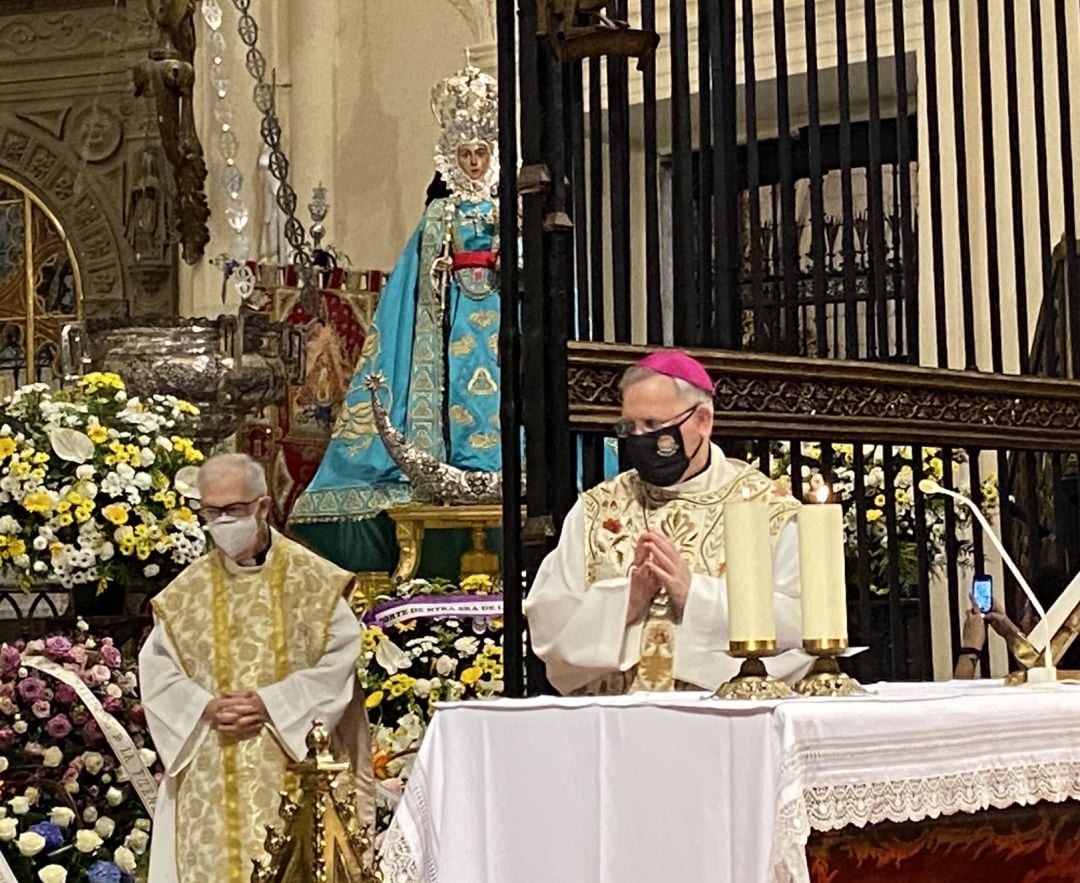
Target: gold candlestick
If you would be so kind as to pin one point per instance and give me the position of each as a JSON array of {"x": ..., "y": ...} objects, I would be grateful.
[
  {"x": 753, "y": 681},
  {"x": 825, "y": 677}
]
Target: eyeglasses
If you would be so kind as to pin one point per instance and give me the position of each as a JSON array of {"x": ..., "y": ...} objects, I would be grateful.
[
  {"x": 624, "y": 428},
  {"x": 232, "y": 510}
]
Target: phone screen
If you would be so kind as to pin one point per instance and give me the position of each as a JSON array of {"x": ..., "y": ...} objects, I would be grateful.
[{"x": 982, "y": 592}]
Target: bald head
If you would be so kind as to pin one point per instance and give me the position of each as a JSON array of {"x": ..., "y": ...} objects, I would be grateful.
[{"x": 236, "y": 475}]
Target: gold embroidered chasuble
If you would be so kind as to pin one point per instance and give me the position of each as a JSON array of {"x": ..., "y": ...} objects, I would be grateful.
[
  {"x": 619, "y": 511},
  {"x": 242, "y": 630}
]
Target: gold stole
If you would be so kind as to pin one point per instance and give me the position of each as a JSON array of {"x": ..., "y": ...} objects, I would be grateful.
[
  {"x": 619, "y": 511},
  {"x": 236, "y": 631}
]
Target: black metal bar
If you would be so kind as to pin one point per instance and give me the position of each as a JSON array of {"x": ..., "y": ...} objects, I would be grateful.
[
  {"x": 1072, "y": 283},
  {"x": 579, "y": 185},
  {"x": 687, "y": 330},
  {"x": 1016, "y": 182},
  {"x": 795, "y": 472},
  {"x": 1061, "y": 516},
  {"x": 1042, "y": 171},
  {"x": 952, "y": 549},
  {"x": 619, "y": 185},
  {"x": 986, "y": 102},
  {"x": 897, "y": 637},
  {"x": 707, "y": 20},
  {"x": 922, "y": 552},
  {"x": 862, "y": 570},
  {"x": 596, "y": 199},
  {"x": 967, "y": 296},
  {"x": 877, "y": 323},
  {"x": 933, "y": 137},
  {"x": 727, "y": 313},
  {"x": 904, "y": 156},
  {"x": 510, "y": 355},
  {"x": 852, "y": 347},
  {"x": 817, "y": 183},
  {"x": 753, "y": 178},
  {"x": 654, "y": 310},
  {"x": 787, "y": 230},
  {"x": 978, "y": 541}
]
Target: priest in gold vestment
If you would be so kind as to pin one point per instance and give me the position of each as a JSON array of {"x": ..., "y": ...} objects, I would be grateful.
[
  {"x": 634, "y": 596},
  {"x": 250, "y": 644}
]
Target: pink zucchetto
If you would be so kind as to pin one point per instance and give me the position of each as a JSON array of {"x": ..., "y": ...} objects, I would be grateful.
[{"x": 674, "y": 363}]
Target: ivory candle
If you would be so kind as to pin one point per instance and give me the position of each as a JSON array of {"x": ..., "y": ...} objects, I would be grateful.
[
  {"x": 748, "y": 551},
  {"x": 821, "y": 571}
]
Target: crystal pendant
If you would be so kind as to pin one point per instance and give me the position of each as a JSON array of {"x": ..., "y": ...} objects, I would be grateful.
[
  {"x": 212, "y": 15},
  {"x": 237, "y": 215}
]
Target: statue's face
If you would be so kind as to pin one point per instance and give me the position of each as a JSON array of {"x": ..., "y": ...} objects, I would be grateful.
[{"x": 474, "y": 157}]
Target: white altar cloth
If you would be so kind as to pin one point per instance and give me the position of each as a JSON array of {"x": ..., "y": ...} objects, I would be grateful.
[{"x": 682, "y": 788}]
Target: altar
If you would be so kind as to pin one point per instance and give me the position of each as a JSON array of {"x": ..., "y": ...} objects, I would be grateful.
[{"x": 681, "y": 787}]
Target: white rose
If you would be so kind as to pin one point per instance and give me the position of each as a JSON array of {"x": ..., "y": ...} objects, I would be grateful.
[
  {"x": 62, "y": 816},
  {"x": 8, "y": 827},
  {"x": 19, "y": 727},
  {"x": 124, "y": 859},
  {"x": 40, "y": 543},
  {"x": 53, "y": 757},
  {"x": 467, "y": 646},
  {"x": 93, "y": 762},
  {"x": 3, "y": 764},
  {"x": 30, "y": 844},
  {"x": 142, "y": 824},
  {"x": 104, "y": 827},
  {"x": 148, "y": 755},
  {"x": 52, "y": 874},
  {"x": 72, "y": 787},
  {"x": 31, "y": 794},
  {"x": 444, "y": 665},
  {"x": 114, "y": 691},
  {"x": 137, "y": 841},
  {"x": 151, "y": 570},
  {"x": 90, "y": 815},
  {"x": 40, "y": 567},
  {"x": 114, "y": 797},
  {"x": 422, "y": 688},
  {"x": 87, "y": 841},
  {"x": 84, "y": 472},
  {"x": 19, "y": 805},
  {"x": 21, "y": 561}
]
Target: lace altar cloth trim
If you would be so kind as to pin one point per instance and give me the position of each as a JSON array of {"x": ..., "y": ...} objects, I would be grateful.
[
  {"x": 396, "y": 859},
  {"x": 831, "y": 807}
]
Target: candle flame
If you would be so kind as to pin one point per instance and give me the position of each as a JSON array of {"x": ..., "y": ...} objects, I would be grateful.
[
  {"x": 823, "y": 493},
  {"x": 929, "y": 486}
]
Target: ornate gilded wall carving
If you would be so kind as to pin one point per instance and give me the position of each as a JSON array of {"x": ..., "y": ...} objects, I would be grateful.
[{"x": 72, "y": 131}]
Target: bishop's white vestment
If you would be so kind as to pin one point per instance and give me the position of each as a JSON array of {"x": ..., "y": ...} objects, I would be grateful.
[
  {"x": 282, "y": 629},
  {"x": 578, "y": 604}
]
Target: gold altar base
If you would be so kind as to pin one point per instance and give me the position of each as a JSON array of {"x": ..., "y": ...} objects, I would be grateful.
[
  {"x": 753, "y": 681},
  {"x": 825, "y": 677},
  {"x": 1016, "y": 678}
]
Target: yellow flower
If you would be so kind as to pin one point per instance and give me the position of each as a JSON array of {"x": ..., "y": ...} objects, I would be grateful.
[
  {"x": 37, "y": 501},
  {"x": 98, "y": 433},
  {"x": 40, "y": 457},
  {"x": 16, "y": 548},
  {"x": 936, "y": 468},
  {"x": 64, "y": 519},
  {"x": 98, "y": 379},
  {"x": 184, "y": 514},
  {"x": 400, "y": 684},
  {"x": 63, "y": 506},
  {"x": 7, "y": 447},
  {"x": 879, "y": 500},
  {"x": 20, "y": 469},
  {"x": 187, "y": 408},
  {"x": 56, "y": 548},
  {"x": 83, "y": 513},
  {"x": 374, "y": 699},
  {"x": 479, "y": 583},
  {"x": 471, "y": 675},
  {"x": 117, "y": 513},
  {"x": 873, "y": 515}
]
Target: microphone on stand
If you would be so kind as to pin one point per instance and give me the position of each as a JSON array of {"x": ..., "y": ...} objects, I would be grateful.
[{"x": 1048, "y": 673}]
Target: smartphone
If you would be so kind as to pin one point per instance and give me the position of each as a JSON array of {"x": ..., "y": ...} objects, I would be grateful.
[{"x": 982, "y": 592}]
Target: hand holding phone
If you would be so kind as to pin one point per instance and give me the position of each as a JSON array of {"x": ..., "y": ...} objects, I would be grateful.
[{"x": 982, "y": 593}]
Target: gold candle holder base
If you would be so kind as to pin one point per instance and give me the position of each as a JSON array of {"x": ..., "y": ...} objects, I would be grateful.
[
  {"x": 753, "y": 681},
  {"x": 825, "y": 677}
]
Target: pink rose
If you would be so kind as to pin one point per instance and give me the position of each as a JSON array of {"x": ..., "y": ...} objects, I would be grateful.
[
  {"x": 109, "y": 654},
  {"x": 70, "y": 774},
  {"x": 7, "y": 737},
  {"x": 137, "y": 714},
  {"x": 58, "y": 727},
  {"x": 34, "y": 748},
  {"x": 65, "y": 694},
  {"x": 41, "y": 709},
  {"x": 99, "y": 674},
  {"x": 77, "y": 654},
  {"x": 113, "y": 704},
  {"x": 57, "y": 647},
  {"x": 92, "y": 732},
  {"x": 31, "y": 689},
  {"x": 10, "y": 658},
  {"x": 79, "y": 717}
]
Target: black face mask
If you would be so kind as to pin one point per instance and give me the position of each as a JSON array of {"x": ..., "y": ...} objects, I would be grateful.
[{"x": 659, "y": 456}]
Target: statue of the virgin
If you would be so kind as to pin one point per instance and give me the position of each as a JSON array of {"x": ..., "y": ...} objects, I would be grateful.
[{"x": 433, "y": 342}]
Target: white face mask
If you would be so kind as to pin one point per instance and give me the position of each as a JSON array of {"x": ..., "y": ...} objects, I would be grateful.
[{"x": 234, "y": 535}]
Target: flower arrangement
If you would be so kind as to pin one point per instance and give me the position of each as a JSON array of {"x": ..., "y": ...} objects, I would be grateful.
[
  {"x": 94, "y": 485},
  {"x": 67, "y": 812},
  {"x": 876, "y": 500},
  {"x": 410, "y": 665}
]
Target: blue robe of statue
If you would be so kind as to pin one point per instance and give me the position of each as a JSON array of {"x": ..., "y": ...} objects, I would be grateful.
[{"x": 441, "y": 370}]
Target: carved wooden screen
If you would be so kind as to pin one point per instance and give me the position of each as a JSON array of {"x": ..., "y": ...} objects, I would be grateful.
[
  {"x": 39, "y": 288},
  {"x": 946, "y": 261}
]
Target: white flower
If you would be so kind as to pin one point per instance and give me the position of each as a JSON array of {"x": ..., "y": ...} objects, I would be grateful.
[
  {"x": 31, "y": 794},
  {"x": 90, "y": 815},
  {"x": 148, "y": 755},
  {"x": 422, "y": 688},
  {"x": 8, "y": 827},
  {"x": 52, "y": 874},
  {"x": 30, "y": 844},
  {"x": 40, "y": 567},
  {"x": 84, "y": 472},
  {"x": 104, "y": 827},
  {"x": 40, "y": 543},
  {"x": 114, "y": 691},
  {"x": 62, "y": 816},
  {"x": 146, "y": 457},
  {"x": 391, "y": 657},
  {"x": 114, "y": 797},
  {"x": 137, "y": 840},
  {"x": 9, "y": 525},
  {"x": 3, "y": 764},
  {"x": 124, "y": 859},
  {"x": 87, "y": 841},
  {"x": 19, "y": 805},
  {"x": 467, "y": 645},
  {"x": 143, "y": 481},
  {"x": 444, "y": 665},
  {"x": 142, "y": 824},
  {"x": 71, "y": 445},
  {"x": 151, "y": 570},
  {"x": 53, "y": 757},
  {"x": 93, "y": 762}
]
